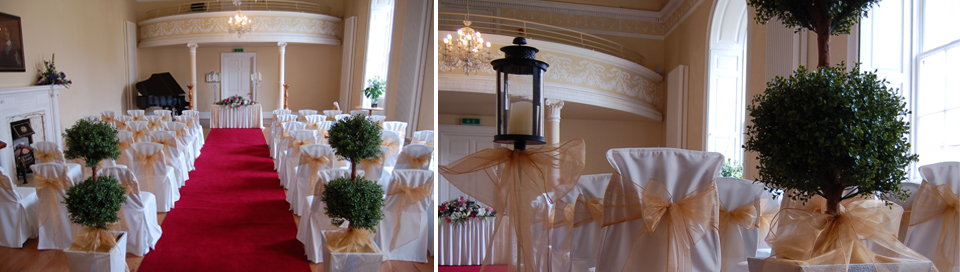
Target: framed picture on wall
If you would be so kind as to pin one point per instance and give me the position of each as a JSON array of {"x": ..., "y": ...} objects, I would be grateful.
[{"x": 11, "y": 44}]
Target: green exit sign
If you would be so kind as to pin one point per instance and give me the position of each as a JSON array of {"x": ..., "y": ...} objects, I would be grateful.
[
  {"x": 470, "y": 121},
  {"x": 238, "y": 50}
]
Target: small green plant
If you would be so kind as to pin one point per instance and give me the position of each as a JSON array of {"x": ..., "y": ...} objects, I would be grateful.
[
  {"x": 731, "y": 169},
  {"x": 829, "y": 131},
  {"x": 376, "y": 87},
  {"x": 354, "y": 199},
  {"x": 95, "y": 202},
  {"x": 91, "y": 141}
]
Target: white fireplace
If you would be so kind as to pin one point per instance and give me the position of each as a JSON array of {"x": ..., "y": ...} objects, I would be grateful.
[{"x": 34, "y": 103}]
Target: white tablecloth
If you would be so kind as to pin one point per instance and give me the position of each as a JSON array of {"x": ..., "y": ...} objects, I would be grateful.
[
  {"x": 241, "y": 117},
  {"x": 465, "y": 244}
]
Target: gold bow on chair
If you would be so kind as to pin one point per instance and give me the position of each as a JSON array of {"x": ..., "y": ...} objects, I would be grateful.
[
  {"x": 147, "y": 163},
  {"x": 932, "y": 202},
  {"x": 154, "y": 124},
  {"x": 731, "y": 239},
  {"x": 182, "y": 133},
  {"x": 393, "y": 144},
  {"x": 138, "y": 118},
  {"x": 315, "y": 164},
  {"x": 296, "y": 144},
  {"x": 106, "y": 119},
  {"x": 420, "y": 162},
  {"x": 512, "y": 180},
  {"x": 165, "y": 118},
  {"x": 168, "y": 143},
  {"x": 138, "y": 135},
  {"x": 593, "y": 211},
  {"x": 49, "y": 211},
  {"x": 120, "y": 125},
  {"x": 407, "y": 211},
  {"x": 124, "y": 145},
  {"x": 48, "y": 156}
]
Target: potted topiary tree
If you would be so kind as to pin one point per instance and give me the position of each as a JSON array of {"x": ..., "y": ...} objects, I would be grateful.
[
  {"x": 94, "y": 202},
  {"x": 375, "y": 88},
  {"x": 355, "y": 200}
]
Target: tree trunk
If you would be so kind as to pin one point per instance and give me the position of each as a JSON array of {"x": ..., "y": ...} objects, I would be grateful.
[
  {"x": 94, "y": 173},
  {"x": 833, "y": 192},
  {"x": 353, "y": 170},
  {"x": 824, "y": 27}
]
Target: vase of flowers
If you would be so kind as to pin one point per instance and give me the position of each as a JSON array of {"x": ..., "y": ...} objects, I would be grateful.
[
  {"x": 235, "y": 101},
  {"x": 50, "y": 76},
  {"x": 461, "y": 210}
]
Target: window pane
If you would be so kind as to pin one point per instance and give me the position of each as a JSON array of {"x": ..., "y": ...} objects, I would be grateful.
[
  {"x": 940, "y": 22},
  {"x": 952, "y": 90},
  {"x": 930, "y": 84},
  {"x": 929, "y": 138}
]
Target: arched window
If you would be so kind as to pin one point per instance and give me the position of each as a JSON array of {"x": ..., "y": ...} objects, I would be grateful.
[{"x": 725, "y": 91}]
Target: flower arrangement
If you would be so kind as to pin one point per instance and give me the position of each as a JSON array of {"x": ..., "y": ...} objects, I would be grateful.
[
  {"x": 460, "y": 210},
  {"x": 235, "y": 102},
  {"x": 50, "y": 76}
]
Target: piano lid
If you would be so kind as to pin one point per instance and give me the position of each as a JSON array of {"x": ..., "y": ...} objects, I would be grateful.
[{"x": 160, "y": 84}]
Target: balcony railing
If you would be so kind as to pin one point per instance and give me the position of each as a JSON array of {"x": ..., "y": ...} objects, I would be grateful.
[
  {"x": 452, "y": 21},
  {"x": 226, "y": 5}
]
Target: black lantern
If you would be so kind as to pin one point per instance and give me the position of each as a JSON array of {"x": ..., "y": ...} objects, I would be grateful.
[{"x": 519, "y": 107}]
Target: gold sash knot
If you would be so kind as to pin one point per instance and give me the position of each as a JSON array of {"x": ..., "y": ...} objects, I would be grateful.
[
  {"x": 147, "y": 162},
  {"x": 931, "y": 202},
  {"x": 106, "y": 119},
  {"x": 407, "y": 212},
  {"x": 140, "y": 134},
  {"x": 120, "y": 125},
  {"x": 513, "y": 180},
  {"x": 731, "y": 239},
  {"x": 592, "y": 213},
  {"x": 94, "y": 240},
  {"x": 48, "y": 156},
  {"x": 124, "y": 145},
  {"x": 418, "y": 162},
  {"x": 688, "y": 220},
  {"x": 315, "y": 164},
  {"x": 168, "y": 143}
]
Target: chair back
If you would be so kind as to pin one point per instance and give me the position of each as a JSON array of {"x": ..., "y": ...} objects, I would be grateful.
[
  {"x": 305, "y": 113},
  {"x": 166, "y": 115},
  {"x": 144, "y": 158},
  {"x": 126, "y": 139},
  {"x": 128, "y": 179},
  {"x": 136, "y": 114},
  {"x": 108, "y": 116},
  {"x": 313, "y": 120},
  {"x": 154, "y": 122},
  {"x": 394, "y": 142},
  {"x": 52, "y": 177},
  {"x": 292, "y": 126},
  {"x": 311, "y": 151},
  {"x": 911, "y": 189},
  {"x": 423, "y": 137},
  {"x": 326, "y": 176},
  {"x": 739, "y": 240},
  {"x": 140, "y": 130},
  {"x": 406, "y": 209},
  {"x": 171, "y": 148},
  {"x": 377, "y": 118},
  {"x": 360, "y": 112},
  {"x": 323, "y": 130},
  {"x": 300, "y": 138},
  {"x": 343, "y": 116},
  {"x": 400, "y": 127},
  {"x": 281, "y": 111},
  {"x": 586, "y": 224},
  {"x": 373, "y": 167},
  {"x": 933, "y": 215},
  {"x": 682, "y": 174},
  {"x": 8, "y": 194},
  {"x": 415, "y": 156},
  {"x": 332, "y": 114},
  {"x": 45, "y": 151},
  {"x": 120, "y": 122}
]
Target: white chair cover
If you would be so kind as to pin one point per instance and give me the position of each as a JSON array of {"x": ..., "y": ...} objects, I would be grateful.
[
  {"x": 194, "y": 125},
  {"x": 108, "y": 116},
  {"x": 154, "y": 122},
  {"x": 186, "y": 140},
  {"x": 154, "y": 175},
  {"x": 323, "y": 130},
  {"x": 305, "y": 113},
  {"x": 360, "y": 112},
  {"x": 911, "y": 189},
  {"x": 424, "y": 137},
  {"x": 275, "y": 122},
  {"x": 138, "y": 216},
  {"x": 310, "y": 230},
  {"x": 377, "y": 118},
  {"x": 120, "y": 122},
  {"x": 394, "y": 141},
  {"x": 46, "y": 152},
  {"x": 166, "y": 115},
  {"x": 399, "y": 127},
  {"x": 194, "y": 133},
  {"x": 18, "y": 213},
  {"x": 136, "y": 114},
  {"x": 374, "y": 168},
  {"x": 126, "y": 154},
  {"x": 314, "y": 120},
  {"x": 332, "y": 114},
  {"x": 560, "y": 234},
  {"x": 681, "y": 172},
  {"x": 278, "y": 131},
  {"x": 924, "y": 236},
  {"x": 313, "y": 159},
  {"x": 140, "y": 129},
  {"x": 740, "y": 197},
  {"x": 415, "y": 156},
  {"x": 288, "y": 167},
  {"x": 284, "y": 141},
  {"x": 407, "y": 206},
  {"x": 172, "y": 154},
  {"x": 52, "y": 180},
  {"x": 586, "y": 226},
  {"x": 343, "y": 116}
]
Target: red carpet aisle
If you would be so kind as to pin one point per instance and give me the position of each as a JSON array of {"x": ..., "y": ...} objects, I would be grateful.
[{"x": 232, "y": 215}]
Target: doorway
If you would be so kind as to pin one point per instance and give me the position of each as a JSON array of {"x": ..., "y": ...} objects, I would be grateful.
[{"x": 236, "y": 70}]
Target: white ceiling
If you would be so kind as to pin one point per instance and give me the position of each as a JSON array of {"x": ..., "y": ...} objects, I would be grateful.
[
  {"x": 467, "y": 103},
  {"x": 648, "y": 5}
]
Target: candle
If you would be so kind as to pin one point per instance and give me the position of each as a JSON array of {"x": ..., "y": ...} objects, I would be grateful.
[
  {"x": 521, "y": 118},
  {"x": 259, "y": 76},
  {"x": 252, "y": 77}
]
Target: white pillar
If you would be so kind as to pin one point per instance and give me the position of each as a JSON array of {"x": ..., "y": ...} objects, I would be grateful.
[
  {"x": 283, "y": 52},
  {"x": 552, "y": 124},
  {"x": 193, "y": 74}
]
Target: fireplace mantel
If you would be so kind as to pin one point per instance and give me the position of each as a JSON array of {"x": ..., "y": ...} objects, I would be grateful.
[{"x": 23, "y": 100}]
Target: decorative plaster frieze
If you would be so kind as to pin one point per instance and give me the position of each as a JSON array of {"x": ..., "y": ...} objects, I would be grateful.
[{"x": 302, "y": 27}]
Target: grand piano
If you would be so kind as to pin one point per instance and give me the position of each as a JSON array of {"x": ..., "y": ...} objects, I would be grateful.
[{"x": 161, "y": 90}]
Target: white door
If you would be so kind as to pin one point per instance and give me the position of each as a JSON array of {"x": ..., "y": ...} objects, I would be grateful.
[
  {"x": 235, "y": 71},
  {"x": 457, "y": 142}
]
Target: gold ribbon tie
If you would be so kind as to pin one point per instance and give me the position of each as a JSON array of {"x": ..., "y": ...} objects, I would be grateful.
[
  {"x": 731, "y": 239},
  {"x": 407, "y": 211},
  {"x": 418, "y": 162},
  {"x": 931, "y": 202}
]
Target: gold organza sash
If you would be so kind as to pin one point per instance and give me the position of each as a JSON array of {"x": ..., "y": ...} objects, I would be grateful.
[
  {"x": 592, "y": 213},
  {"x": 350, "y": 241},
  {"x": 805, "y": 236},
  {"x": 165, "y": 117},
  {"x": 511, "y": 180},
  {"x": 48, "y": 156},
  {"x": 731, "y": 239},
  {"x": 154, "y": 124},
  {"x": 931, "y": 202},
  {"x": 124, "y": 145},
  {"x": 94, "y": 240},
  {"x": 140, "y": 134},
  {"x": 120, "y": 125},
  {"x": 138, "y": 118},
  {"x": 147, "y": 163},
  {"x": 315, "y": 164},
  {"x": 418, "y": 162},
  {"x": 407, "y": 211},
  {"x": 6, "y": 183},
  {"x": 296, "y": 144},
  {"x": 168, "y": 143},
  {"x": 49, "y": 206},
  {"x": 393, "y": 144},
  {"x": 106, "y": 119}
]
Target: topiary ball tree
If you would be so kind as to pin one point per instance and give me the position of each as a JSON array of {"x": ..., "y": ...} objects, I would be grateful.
[
  {"x": 828, "y": 131},
  {"x": 356, "y": 199},
  {"x": 824, "y": 17},
  {"x": 91, "y": 141},
  {"x": 95, "y": 202}
]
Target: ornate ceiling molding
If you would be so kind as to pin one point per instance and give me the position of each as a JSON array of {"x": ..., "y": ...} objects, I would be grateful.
[{"x": 268, "y": 26}]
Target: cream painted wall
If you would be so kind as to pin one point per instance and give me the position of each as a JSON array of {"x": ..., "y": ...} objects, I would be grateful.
[
  {"x": 427, "y": 118},
  {"x": 361, "y": 9},
  {"x": 624, "y": 134},
  {"x": 313, "y": 72},
  {"x": 334, "y": 7},
  {"x": 87, "y": 38},
  {"x": 686, "y": 45}
]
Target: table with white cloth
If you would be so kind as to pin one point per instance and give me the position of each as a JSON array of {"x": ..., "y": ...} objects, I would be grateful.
[
  {"x": 466, "y": 243},
  {"x": 248, "y": 116}
]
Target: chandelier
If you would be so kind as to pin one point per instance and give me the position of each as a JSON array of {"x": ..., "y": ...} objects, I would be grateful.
[
  {"x": 239, "y": 23},
  {"x": 468, "y": 52}
]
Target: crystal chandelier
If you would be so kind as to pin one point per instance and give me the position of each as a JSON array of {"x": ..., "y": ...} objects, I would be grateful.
[
  {"x": 468, "y": 52},
  {"x": 239, "y": 23}
]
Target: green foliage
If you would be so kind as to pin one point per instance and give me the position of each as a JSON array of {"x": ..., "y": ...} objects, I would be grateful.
[
  {"x": 95, "y": 202},
  {"x": 355, "y": 138},
  {"x": 375, "y": 88},
  {"x": 731, "y": 169},
  {"x": 92, "y": 141},
  {"x": 358, "y": 201},
  {"x": 825, "y": 131},
  {"x": 799, "y": 14}
]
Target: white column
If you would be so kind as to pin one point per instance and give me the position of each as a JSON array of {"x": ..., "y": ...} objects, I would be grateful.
[
  {"x": 193, "y": 74},
  {"x": 552, "y": 124},
  {"x": 283, "y": 52}
]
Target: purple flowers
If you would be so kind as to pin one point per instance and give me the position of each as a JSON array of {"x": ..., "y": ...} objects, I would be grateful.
[
  {"x": 50, "y": 76},
  {"x": 460, "y": 210}
]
